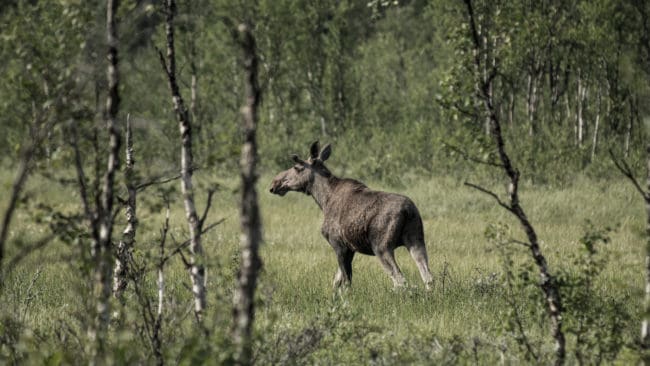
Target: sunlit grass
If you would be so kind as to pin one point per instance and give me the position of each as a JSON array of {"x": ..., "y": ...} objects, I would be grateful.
[{"x": 299, "y": 265}]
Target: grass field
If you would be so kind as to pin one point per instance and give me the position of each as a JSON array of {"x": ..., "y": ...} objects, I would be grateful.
[{"x": 300, "y": 319}]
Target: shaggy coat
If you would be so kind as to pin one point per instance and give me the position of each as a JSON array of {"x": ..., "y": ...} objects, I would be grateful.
[{"x": 356, "y": 218}]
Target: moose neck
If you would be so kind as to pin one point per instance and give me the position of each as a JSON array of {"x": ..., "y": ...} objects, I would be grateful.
[{"x": 321, "y": 190}]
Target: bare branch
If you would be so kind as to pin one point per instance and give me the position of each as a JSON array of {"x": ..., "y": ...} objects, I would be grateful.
[
  {"x": 466, "y": 156},
  {"x": 163, "y": 63},
  {"x": 39, "y": 124},
  {"x": 207, "y": 207},
  {"x": 474, "y": 32},
  {"x": 183, "y": 245},
  {"x": 16, "y": 189},
  {"x": 121, "y": 200},
  {"x": 522, "y": 243},
  {"x": 26, "y": 251},
  {"x": 163, "y": 236},
  {"x": 187, "y": 264},
  {"x": 490, "y": 193},
  {"x": 156, "y": 181},
  {"x": 625, "y": 169}
]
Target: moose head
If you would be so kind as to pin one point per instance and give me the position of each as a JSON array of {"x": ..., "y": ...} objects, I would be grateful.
[{"x": 301, "y": 176}]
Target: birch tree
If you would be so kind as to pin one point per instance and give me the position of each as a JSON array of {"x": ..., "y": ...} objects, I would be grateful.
[
  {"x": 548, "y": 284},
  {"x": 644, "y": 42},
  {"x": 625, "y": 169},
  {"x": 244, "y": 307},
  {"x": 102, "y": 218},
  {"x": 125, "y": 246},
  {"x": 196, "y": 266}
]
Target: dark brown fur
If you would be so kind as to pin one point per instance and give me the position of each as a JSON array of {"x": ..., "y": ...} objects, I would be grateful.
[{"x": 356, "y": 218}]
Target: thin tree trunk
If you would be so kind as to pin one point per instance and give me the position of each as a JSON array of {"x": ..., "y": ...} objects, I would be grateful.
[
  {"x": 511, "y": 109},
  {"x": 157, "y": 326},
  {"x": 102, "y": 242},
  {"x": 567, "y": 104},
  {"x": 552, "y": 79},
  {"x": 39, "y": 125},
  {"x": 341, "y": 110},
  {"x": 645, "y": 324},
  {"x": 244, "y": 311},
  {"x": 323, "y": 126},
  {"x": 594, "y": 144},
  {"x": 532, "y": 104},
  {"x": 630, "y": 123},
  {"x": 16, "y": 190},
  {"x": 625, "y": 169},
  {"x": 478, "y": 78},
  {"x": 559, "y": 87},
  {"x": 579, "y": 117},
  {"x": 197, "y": 270},
  {"x": 125, "y": 247},
  {"x": 548, "y": 283},
  {"x": 486, "y": 64},
  {"x": 315, "y": 79},
  {"x": 157, "y": 341},
  {"x": 194, "y": 94}
]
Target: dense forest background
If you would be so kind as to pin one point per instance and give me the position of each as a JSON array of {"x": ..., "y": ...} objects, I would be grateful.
[
  {"x": 390, "y": 83},
  {"x": 418, "y": 97}
]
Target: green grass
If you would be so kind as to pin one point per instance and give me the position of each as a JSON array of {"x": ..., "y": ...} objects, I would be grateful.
[{"x": 370, "y": 321}]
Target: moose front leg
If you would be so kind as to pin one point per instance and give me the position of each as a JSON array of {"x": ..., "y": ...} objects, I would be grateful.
[{"x": 344, "y": 257}]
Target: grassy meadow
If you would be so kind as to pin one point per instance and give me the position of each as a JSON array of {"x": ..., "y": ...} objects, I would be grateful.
[{"x": 300, "y": 319}]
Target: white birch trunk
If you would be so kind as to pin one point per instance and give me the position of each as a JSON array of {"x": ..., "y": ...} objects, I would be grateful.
[
  {"x": 567, "y": 104},
  {"x": 580, "y": 102},
  {"x": 197, "y": 270},
  {"x": 532, "y": 104},
  {"x": 102, "y": 244},
  {"x": 125, "y": 246},
  {"x": 594, "y": 143},
  {"x": 630, "y": 123},
  {"x": 486, "y": 125}
]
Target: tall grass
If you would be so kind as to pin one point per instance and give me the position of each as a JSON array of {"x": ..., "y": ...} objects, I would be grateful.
[{"x": 299, "y": 314}]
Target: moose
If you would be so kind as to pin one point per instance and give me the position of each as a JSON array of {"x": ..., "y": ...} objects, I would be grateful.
[{"x": 356, "y": 218}]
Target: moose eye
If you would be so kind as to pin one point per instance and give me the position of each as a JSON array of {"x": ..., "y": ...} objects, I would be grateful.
[{"x": 299, "y": 168}]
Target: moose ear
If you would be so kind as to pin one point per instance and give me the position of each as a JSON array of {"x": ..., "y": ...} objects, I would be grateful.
[
  {"x": 313, "y": 150},
  {"x": 325, "y": 153}
]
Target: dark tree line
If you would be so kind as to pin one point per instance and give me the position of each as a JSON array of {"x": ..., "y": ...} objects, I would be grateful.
[{"x": 572, "y": 82}]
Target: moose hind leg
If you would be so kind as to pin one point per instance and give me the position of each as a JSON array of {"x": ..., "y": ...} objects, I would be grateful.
[
  {"x": 419, "y": 254},
  {"x": 387, "y": 259},
  {"x": 343, "y": 275}
]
